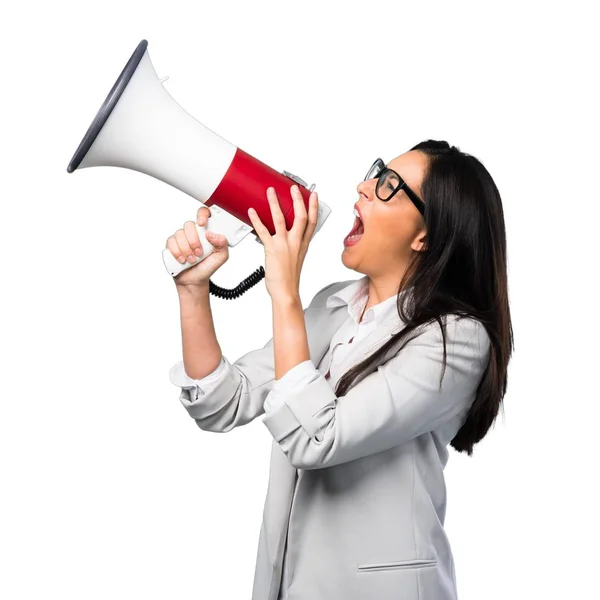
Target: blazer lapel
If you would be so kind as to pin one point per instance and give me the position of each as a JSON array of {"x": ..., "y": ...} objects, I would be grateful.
[{"x": 322, "y": 322}]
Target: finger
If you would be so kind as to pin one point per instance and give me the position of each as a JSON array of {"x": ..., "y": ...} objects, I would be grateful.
[
  {"x": 300, "y": 216},
  {"x": 175, "y": 250},
  {"x": 261, "y": 230},
  {"x": 313, "y": 214},
  {"x": 218, "y": 240},
  {"x": 191, "y": 232},
  {"x": 184, "y": 245},
  {"x": 277, "y": 215},
  {"x": 202, "y": 215}
]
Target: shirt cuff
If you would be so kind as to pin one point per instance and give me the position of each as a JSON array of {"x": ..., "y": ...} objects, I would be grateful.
[
  {"x": 179, "y": 377},
  {"x": 298, "y": 376}
]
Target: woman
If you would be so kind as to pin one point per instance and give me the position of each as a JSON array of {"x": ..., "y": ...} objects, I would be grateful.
[{"x": 363, "y": 390}]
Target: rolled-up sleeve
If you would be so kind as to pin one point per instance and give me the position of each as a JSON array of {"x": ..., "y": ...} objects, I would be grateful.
[
  {"x": 209, "y": 400},
  {"x": 234, "y": 393},
  {"x": 202, "y": 386},
  {"x": 297, "y": 377},
  {"x": 399, "y": 401}
]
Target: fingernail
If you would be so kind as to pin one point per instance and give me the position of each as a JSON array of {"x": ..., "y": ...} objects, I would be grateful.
[
  {"x": 191, "y": 258},
  {"x": 197, "y": 252},
  {"x": 181, "y": 259}
]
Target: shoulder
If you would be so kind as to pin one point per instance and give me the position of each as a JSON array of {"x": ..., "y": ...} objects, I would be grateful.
[
  {"x": 320, "y": 298},
  {"x": 464, "y": 336}
]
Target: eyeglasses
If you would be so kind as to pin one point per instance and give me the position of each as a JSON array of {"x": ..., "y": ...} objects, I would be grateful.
[{"x": 390, "y": 183}]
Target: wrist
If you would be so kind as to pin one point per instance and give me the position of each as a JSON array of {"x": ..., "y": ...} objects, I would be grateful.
[
  {"x": 191, "y": 286},
  {"x": 192, "y": 290},
  {"x": 286, "y": 302}
]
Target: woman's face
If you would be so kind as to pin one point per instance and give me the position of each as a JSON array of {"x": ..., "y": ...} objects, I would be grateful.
[{"x": 393, "y": 230}]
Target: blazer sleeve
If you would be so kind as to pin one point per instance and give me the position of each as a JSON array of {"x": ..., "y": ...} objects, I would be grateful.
[
  {"x": 179, "y": 377},
  {"x": 399, "y": 401},
  {"x": 234, "y": 393},
  {"x": 301, "y": 374}
]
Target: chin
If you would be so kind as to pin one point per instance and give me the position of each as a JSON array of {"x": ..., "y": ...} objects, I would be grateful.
[{"x": 347, "y": 260}]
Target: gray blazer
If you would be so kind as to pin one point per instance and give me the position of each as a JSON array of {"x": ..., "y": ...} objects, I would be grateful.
[{"x": 368, "y": 514}]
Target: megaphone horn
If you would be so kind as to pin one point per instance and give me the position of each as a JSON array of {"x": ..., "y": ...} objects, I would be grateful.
[{"x": 140, "y": 127}]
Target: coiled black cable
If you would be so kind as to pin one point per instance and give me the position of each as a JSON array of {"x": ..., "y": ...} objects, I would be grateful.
[{"x": 239, "y": 289}]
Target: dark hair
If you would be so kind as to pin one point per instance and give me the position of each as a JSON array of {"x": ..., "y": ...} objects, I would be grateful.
[{"x": 462, "y": 271}]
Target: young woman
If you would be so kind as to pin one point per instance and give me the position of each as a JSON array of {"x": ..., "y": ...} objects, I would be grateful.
[{"x": 364, "y": 389}]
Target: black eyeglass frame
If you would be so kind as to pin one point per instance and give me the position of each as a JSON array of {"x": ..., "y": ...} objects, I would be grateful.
[{"x": 401, "y": 186}]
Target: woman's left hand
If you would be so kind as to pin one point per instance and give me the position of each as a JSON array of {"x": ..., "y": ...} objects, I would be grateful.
[{"x": 285, "y": 251}]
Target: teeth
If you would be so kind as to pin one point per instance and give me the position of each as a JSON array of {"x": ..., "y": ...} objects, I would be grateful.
[{"x": 356, "y": 214}]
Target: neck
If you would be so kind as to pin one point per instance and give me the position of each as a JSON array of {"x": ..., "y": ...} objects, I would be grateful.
[{"x": 381, "y": 288}]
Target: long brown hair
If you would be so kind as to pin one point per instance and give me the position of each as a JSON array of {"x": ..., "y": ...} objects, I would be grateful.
[{"x": 463, "y": 271}]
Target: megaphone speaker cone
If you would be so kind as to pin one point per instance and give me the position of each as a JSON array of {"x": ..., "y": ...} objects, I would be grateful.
[{"x": 108, "y": 105}]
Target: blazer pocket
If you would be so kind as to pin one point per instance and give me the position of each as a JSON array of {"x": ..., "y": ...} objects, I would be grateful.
[{"x": 416, "y": 563}]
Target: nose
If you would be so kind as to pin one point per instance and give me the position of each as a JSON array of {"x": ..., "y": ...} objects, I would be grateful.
[{"x": 366, "y": 189}]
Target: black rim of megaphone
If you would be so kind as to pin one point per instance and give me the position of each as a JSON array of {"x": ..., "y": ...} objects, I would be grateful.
[{"x": 108, "y": 105}]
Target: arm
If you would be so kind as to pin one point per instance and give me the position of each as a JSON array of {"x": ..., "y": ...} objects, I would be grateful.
[
  {"x": 201, "y": 350},
  {"x": 290, "y": 341},
  {"x": 401, "y": 400},
  {"x": 234, "y": 393}
]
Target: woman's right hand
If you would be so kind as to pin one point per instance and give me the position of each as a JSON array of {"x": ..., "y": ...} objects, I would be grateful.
[{"x": 186, "y": 243}]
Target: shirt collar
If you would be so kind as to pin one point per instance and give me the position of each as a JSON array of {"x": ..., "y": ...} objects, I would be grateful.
[{"x": 355, "y": 296}]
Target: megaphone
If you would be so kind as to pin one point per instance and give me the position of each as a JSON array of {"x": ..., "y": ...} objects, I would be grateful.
[{"x": 140, "y": 127}]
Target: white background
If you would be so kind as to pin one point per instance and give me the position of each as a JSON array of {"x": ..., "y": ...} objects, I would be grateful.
[{"x": 109, "y": 489}]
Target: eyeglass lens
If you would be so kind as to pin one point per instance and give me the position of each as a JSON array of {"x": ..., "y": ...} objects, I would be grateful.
[
  {"x": 386, "y": 184},
  {"x": 373, "y": 171}
]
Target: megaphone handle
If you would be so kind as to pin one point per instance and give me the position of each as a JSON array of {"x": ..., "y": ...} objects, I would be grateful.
[{"x": 174, "y": 267}]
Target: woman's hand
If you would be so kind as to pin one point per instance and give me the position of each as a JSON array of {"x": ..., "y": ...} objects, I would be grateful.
[
  {"x": 286, "y": 250},
  {"x": 185, "y": 243}
]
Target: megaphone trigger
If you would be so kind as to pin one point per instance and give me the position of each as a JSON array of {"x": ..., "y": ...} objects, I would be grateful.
[
  {"x": 295, "y": 178},
  {"x": 299, "y": 180}
]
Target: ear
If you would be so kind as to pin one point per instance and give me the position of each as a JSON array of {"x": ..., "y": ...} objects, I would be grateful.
[{"x": 420, "y": 241}]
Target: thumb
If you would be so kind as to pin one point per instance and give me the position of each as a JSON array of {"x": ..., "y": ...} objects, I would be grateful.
[{"x": 216, "y": 239}]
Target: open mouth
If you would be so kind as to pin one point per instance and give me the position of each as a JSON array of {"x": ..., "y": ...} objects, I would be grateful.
[{"x": 356, "y": 232}]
